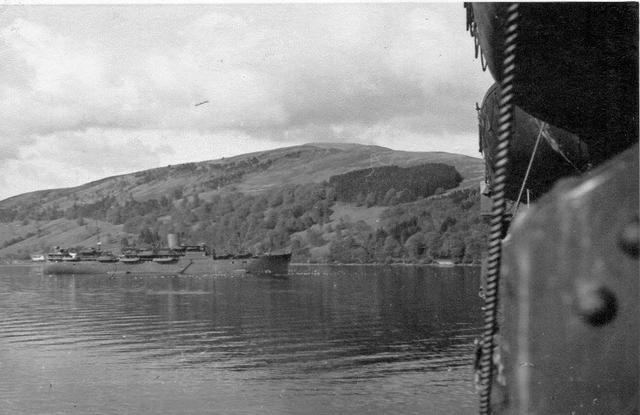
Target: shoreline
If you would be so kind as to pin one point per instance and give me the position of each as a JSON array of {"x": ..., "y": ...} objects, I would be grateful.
[
  {"x": 323, "y": 264},
  {"x": 380, "y": 264}
]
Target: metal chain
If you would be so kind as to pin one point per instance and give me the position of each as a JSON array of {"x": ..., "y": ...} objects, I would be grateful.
[{"x": 498, "y": 207}]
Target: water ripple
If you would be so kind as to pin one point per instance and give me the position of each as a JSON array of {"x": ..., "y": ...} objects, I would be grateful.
[{"x": 347, "y": 340}]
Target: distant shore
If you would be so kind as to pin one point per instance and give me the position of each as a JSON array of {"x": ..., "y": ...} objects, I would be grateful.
[
  {"x": 441, "y": 264},
  {"x": 381, "y": 264}
]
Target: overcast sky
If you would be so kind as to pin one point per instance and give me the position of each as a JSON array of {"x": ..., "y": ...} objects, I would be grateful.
[{"x": 89, "y": 91}]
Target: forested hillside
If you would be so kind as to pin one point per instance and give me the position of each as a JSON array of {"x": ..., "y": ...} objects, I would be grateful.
[
  {"x": 383, "y": 185},
  {"x": 224, "y": 204},
  {"x": 448, "y": 227}
]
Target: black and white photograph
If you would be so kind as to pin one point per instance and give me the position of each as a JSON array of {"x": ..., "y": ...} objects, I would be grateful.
[{"x": 318, "y": 208}]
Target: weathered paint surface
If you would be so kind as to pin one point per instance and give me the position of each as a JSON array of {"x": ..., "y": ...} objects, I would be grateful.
[{"x": 569, "y": 339}]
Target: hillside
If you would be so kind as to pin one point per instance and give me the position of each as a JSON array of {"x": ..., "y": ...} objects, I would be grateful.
[
  {"x": 254, "y": 201},
  {"x": 376, "y": 184}
]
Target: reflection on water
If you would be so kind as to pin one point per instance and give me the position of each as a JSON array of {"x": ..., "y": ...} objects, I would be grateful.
[{"x": 348, "y": 340}]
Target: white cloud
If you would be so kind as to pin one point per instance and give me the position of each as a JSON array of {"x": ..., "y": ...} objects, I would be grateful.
[
  {"x": 399, "y": 75},
  {"x": 76, "y": 158}
]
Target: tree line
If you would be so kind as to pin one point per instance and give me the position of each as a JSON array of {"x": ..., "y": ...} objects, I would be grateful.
[{"x": 388, "y": 185}]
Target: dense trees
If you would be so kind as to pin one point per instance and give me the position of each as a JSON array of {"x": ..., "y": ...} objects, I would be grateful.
[
  {"x": 448, "y": 227},
  {"x": 390, "y": 185}
]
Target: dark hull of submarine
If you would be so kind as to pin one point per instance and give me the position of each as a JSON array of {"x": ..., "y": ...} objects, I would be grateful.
[
  {"x": 577, "y": 66},
  {"x": 558, "y": 153},
  {"x": 568, "y": 299}
]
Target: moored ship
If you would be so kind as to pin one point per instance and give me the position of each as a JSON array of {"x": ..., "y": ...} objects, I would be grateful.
[{"x": 177, "y": 260}]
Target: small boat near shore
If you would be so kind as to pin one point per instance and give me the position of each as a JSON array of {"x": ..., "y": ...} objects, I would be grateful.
[
  {"x": 444, "y": 263},
  {"x": 38, "y": 258}
]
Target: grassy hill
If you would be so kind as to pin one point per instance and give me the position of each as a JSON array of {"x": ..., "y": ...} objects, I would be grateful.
[
  {"x": 40, "y": 236},
  {"x": 187, "y": 193},
  {"x": 314, "y": 163}
]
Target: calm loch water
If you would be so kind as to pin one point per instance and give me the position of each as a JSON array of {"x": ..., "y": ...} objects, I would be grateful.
[{"x": 325, "y": 340}]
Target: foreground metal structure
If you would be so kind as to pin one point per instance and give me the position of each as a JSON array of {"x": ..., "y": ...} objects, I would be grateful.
[
  {"x": 570, "y": 298},
  {"x": 561, "y": 311}
]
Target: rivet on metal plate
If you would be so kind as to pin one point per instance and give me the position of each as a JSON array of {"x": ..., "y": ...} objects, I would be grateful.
[{"x": 596, "y": 304}]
